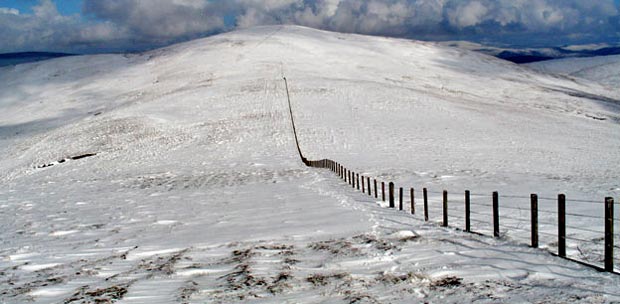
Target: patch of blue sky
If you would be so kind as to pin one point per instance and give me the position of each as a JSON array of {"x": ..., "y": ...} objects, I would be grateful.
[{"x": 65, "y": 7}]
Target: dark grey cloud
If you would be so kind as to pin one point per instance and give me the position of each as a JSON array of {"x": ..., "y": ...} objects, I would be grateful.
[
  {"x": 159, "y": 19},
  {"x": 142, "y": 24}
]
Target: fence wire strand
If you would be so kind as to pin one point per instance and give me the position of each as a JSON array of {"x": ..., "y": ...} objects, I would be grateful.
[
  {"x": 585, "y": 230},
  {"x": 580, "y": 239}
]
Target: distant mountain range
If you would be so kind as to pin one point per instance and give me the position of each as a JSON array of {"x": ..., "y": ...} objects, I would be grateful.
[
  {"x": 529, "y": 55},
  {"x": 25, "y": 57}
]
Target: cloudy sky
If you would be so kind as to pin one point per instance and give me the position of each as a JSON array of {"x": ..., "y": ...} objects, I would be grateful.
[{"x": 87, "y": 26}]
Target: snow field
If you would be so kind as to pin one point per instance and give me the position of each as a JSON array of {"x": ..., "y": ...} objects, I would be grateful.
[{"x": 197, "y": 195}]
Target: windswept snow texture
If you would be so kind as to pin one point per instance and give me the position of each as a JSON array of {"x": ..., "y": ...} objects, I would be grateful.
[
  {"x": 603, "y": 69},
  {"x": 196, "y": 193}
]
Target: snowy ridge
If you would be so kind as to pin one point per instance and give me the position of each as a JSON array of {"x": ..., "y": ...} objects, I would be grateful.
[
  {"x": 196, "y": 193},
  {"x": 604, "y": 69}
]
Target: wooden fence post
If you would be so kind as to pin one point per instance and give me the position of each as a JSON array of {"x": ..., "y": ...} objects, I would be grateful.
[
  {"x": 357, "y": 184},
  {"x": 467, "y": 211},
  {"x": 383, "y": 191},
  {"x": 445, "y": 208},
  {"x": 391, "y": 188},
  {"x": 353, "y": 181},
  {"x": 412, "y": 196},
  {"x": 496, "y": 214},
  {"x": 376, "y": 193},
  {"x": 368, "y": 184},
  {"x": 425, "y": 193},
  {"x": 609, "y": 234},
  {"x": 534, "y": 208},
  {"x": 562, "y": 225},
  {"x": 400, "y": 199},
  {"x": 363, "y": 185}
]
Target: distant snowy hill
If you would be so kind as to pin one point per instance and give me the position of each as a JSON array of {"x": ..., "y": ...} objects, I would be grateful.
[
  {"x": 528, "y": 55},
  {"x": 603, "y": 69},
  {"x": 172, "y": 176},
  {"x": 19, "y": 58}
]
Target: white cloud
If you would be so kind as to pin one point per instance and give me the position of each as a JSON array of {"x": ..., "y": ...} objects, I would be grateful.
[
  {"x": 9, "y": 11},
  {"x": 468, "y": 14}
]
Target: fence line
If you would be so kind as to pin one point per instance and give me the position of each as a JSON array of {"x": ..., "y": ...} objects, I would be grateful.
[{"x": 353, "y": 179}]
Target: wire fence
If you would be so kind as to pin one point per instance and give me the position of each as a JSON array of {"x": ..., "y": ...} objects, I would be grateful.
[
  {"x": 583, "y": 238},
  {"x": 540, "y": 222}
]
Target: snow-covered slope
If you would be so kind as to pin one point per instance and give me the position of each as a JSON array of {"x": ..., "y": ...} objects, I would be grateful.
[
  {"x": 602, "y": 69},
  {"x": 196, "y": 193}
]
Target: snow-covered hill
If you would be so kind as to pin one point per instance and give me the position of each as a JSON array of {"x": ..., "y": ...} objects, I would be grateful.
[
  {"x": 602, "y": 69},
  {"x": 196, "y": 193}
]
